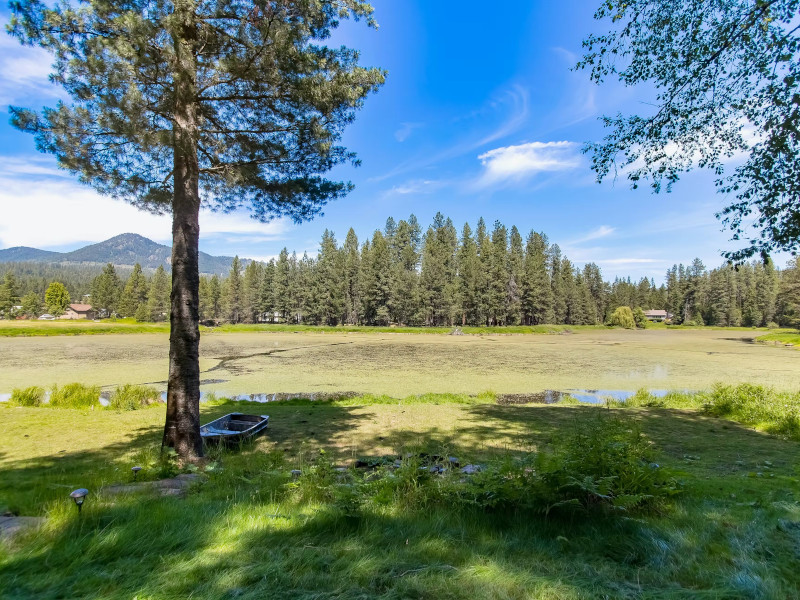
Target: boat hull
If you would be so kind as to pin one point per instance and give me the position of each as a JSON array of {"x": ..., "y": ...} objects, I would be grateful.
[{"x": 233, "y": 428}]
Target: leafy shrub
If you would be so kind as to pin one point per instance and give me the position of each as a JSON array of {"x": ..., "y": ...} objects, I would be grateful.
[
  {"x": 622, "y": 317},
  {"x": 74, "y": 395},
  {"x": 605, "y": 464},
  {"x": 132, "y": 397},
  {"x": 32, "y": 396},
  {"x": 755, "y": 405}
]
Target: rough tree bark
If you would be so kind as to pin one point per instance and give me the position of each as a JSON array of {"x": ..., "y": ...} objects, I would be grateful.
[{"x": 182, "y": 426}]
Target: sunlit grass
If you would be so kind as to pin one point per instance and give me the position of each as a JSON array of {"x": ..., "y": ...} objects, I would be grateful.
[
  {"x": 790, "y": 337},
  {"x": 77, "y": 327},
  {"x": 246, "y": 533},
  {"x": 128, "y": 325}
]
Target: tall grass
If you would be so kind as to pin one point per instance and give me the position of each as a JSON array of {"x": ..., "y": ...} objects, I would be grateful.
[
  {"x": 74, "y": 395},
  {"x": 761, "y": 407},
  {"x": 30, "y": 396},
  {"x": 132, "y": 397}
]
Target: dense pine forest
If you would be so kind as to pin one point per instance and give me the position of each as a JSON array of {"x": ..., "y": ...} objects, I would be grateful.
[{"x": 439, "y": 277}]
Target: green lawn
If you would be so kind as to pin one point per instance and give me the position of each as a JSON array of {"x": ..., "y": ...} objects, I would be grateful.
[{"x": 251, "y": 532}]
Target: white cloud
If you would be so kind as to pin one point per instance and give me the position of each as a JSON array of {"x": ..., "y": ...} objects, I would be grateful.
[
  {"x": 44, "y": 207},
  {"x": 525, "y": 160}
]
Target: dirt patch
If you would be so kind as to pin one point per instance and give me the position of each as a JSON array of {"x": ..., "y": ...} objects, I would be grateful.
[{"x": 545, "y": 397}]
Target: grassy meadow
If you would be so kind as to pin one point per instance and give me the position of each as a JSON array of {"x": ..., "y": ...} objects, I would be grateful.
[{"x": 253, "y": 531}]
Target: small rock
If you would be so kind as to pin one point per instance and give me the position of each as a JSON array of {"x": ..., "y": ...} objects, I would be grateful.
[
  {"x": 174, "y": 486},
  {"x": 10, "y": 526},
  {"x": 471, "y": 469},
  {"x": 453, "y": 461}
]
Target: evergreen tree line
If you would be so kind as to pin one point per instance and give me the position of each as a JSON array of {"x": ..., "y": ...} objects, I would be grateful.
[{"x": 443, "y": 277}]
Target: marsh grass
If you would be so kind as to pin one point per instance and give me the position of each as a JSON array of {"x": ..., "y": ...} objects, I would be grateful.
[
  {"x": 30, "y": 396},
  {"x": 74, "y": 395},
  {"x": 133, "y": 397},
  {"x": 764, "y": 408}
]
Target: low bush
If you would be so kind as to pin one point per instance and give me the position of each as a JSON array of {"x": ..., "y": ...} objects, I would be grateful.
[
  {"x": 32, "y": 396},
  {"x": 74, "y": 395},
  {"x": 765, "y": 408},
  {"x": 132, "y": 397},
  {"x": 605, "y": 464}
]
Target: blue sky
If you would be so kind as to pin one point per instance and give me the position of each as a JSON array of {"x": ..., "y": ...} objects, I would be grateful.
[{"x": 480, "y": 116}]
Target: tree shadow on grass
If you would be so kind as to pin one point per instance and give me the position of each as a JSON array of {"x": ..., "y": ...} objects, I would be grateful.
[
  {"x": 685, "y": 436},
  {"x": 239, "y": 536},
  {"x": 28, "y": 485},
  {"x": 210, "y": 548}
]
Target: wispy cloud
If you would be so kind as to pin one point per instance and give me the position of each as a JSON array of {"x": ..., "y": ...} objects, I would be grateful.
[
  {"x": 405, "y": 131},
  {"x": 627, "y": 261},
  {"x": 518, "y": 98},
  {"x": 515, "y": 163},
  {"x": 24, "y": 71},
  {"x": 513, "y": 102},
  {"x": 416, "y": 186},
  {"x": 595, "y": 234}
]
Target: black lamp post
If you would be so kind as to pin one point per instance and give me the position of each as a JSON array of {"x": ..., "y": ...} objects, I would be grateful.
[
  {"x": 135, "y": 471},
  {"x": 79, "y": 496}
]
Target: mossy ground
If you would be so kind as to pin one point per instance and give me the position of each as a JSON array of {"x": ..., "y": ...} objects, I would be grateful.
[{"x": 398, "y": 365}]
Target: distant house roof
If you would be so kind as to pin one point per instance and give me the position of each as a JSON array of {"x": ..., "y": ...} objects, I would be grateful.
[
  {"x": 81, "y": 307},
  {"x": 657, "y": 314}
]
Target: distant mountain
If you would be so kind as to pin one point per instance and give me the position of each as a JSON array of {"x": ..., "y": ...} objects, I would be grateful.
[
  {"x": 23, "y": 253},
  {"x": 123, "y": 250}
]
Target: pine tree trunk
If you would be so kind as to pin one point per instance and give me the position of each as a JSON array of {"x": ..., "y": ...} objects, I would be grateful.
[{"x": 182, "y": 426}]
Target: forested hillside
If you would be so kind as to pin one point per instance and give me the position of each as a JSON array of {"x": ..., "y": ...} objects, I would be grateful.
[
  {"x": 439, "y": 277},
  {"x": 126, "y": 249}
]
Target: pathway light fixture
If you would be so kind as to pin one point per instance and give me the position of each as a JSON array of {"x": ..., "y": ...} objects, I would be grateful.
[{"x": 79, "y": 496}]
